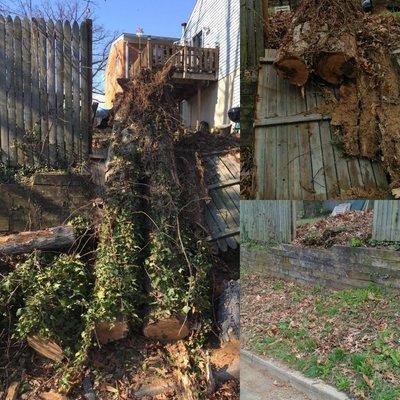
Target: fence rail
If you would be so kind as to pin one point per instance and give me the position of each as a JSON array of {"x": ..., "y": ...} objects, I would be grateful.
[
  {"x": 45, "y": 91},
  {"x": 186, "y": 59},
  {"x": 267, "y": 221},
  {"x": 386, "y": 220}
]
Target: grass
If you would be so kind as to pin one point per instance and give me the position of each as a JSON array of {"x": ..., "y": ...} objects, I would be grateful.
[{"x": 349, "y": 338}]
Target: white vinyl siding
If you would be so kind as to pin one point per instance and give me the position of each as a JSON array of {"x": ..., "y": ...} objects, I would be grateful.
[{"x": 220, "y": 22}]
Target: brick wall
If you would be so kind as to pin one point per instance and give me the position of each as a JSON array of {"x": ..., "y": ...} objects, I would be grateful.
[
  {"x": 48, "y": 201},
  {"x": 338, "y": 267}
]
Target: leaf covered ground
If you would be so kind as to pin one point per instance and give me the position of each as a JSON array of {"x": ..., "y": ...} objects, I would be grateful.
[{"x": 348, "y": 338}]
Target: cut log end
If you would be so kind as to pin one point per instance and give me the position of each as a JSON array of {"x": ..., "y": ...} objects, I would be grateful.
[
  {"x": 168, "y": 329},
  {"x": 333, "y": 68},
  {"x": 46, "y": 348},
  {"x": 107, "y": 332},
  {"x": 293, "y": 69}
]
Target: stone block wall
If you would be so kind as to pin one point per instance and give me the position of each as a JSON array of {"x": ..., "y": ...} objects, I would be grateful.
[
  {"x": 47, "y": 201},
  {"x": 338, "y": 267}
]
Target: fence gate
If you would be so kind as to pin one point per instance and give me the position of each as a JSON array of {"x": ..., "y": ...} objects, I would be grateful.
[
  {"x": 386, "y": 220},
  {"x": 267, "y": 221},
  {"x": 45, "y": 91}
]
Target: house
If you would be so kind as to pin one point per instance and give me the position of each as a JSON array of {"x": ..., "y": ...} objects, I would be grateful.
[
  {"x": 215, "y": 24},
  {"x": 124, "y": 53},
  {"x": 206, "y": 60}
]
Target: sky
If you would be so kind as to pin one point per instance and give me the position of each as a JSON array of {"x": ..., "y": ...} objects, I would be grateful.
[{"x": 156, "y": 17}]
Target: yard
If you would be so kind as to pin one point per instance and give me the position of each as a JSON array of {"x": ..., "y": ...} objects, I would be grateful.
[{"x": 348, "y": 338}]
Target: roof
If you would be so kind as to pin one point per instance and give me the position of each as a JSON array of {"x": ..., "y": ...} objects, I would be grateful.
[{"x": 133, "y": 38}]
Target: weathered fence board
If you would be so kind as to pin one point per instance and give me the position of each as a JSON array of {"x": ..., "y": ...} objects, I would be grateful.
[
  {"x": 267, "y": 221},
  {"x": 386, "y": 220},
  {"x": 45, "y": 92},
  {"x": 295, "y": 155},
  {"x": 251, "y": 49}
]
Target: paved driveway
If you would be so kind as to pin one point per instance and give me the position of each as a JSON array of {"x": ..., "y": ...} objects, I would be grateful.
[{"x": 255, "y": 384}]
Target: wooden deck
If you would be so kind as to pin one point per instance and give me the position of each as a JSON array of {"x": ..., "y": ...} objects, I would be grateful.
[
  {"x": 191, "y": 63},
  {"x": 294, "y": 152},
  {"x": 223, "y": 208}
]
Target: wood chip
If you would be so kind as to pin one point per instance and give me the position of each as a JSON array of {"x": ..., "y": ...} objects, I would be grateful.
[
  {"x": 52, "y": 396},
  {"x": 12, "y": 391}
]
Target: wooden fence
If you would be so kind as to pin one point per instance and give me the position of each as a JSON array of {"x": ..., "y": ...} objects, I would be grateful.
[
  {"x": 251, "y": 49},
  {"x": 386, "y": 220},
  {"x": 45, "y": 91},
  {"x": 267, "y": 221}
]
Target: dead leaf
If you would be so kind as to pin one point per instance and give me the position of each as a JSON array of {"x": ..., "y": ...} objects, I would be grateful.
[
  {"x": 112, "y": 389},
  {"x": 368, "y": 381},
  {"x": 396, "y": 193}
]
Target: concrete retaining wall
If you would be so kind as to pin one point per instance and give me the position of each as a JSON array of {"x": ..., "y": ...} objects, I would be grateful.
[
  {"x": 48, "y": 201},
  {"x": 338, "y": 267}
]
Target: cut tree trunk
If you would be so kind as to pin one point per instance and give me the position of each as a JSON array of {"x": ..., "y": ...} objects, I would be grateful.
[
  {"x": 228, "y": 314},
  {"x": 46, "y": 348},
  {"x": 331, "y": 57},
  {"x": 338, "y": 59},
  {"x": 107, "y": 332},
  {"x": 167, "y": 329},
  {"x": 291, "y": 62},
  {"x": 49, "y": 239}
]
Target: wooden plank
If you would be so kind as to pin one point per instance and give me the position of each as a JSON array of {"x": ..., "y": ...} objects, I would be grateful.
[
  {"x": 225, "y": 184},
  {"x": 26, "y": 83},
  {"x": 3, "y": 96},
  {"x": 76, "y": 91},
  {"x": 68, "y": 133},
  {"x": 227, "y": 234},
  {"x": 52, "y": 106},
  {"x": 282, "y": 172},
  {"x": 212, "y": 226},
  {"x": 10, "y": 88},
  {"x": 244, "y": 28},
  {"x": 291, "y": 119},
  {"x": 19, "y": 100},
  {"x": 318, "y": 172},
  {"x": 85, "y": 88},
  {"x": 306, "y": 171},
  {"x": 42, "y": 63},
  {"x": 35, "y": 90},
  {"x": 60, "y": 92},
  {"x": 342, "y": 169},
  {"x": 332, "y": 185},
  {"x": 294, "y": 150}
]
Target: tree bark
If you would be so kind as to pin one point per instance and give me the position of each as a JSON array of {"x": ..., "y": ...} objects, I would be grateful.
[
  {"x": 49, "y": 239},
  {"x": 46, "y": 348},
  {"x": 228, "y": 314}
]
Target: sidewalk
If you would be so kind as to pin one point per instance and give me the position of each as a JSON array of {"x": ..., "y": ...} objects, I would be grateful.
[{"x": 255, "y": 384}]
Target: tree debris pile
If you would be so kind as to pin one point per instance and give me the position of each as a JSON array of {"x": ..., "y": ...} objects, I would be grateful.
[
  {"x": 334, "y": 42},
  {"x": 141, "y": 265},
  {"x": 351, "y": 228},
  {"x": 276, "y": 28}
]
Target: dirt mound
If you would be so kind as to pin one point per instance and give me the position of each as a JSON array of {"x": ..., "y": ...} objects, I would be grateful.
[
  {"x": 352, "y": 228},
  {"x": 335, "y": 42}
]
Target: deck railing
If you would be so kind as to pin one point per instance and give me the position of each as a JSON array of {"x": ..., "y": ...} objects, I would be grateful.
[{"x": 192, "y": 62}]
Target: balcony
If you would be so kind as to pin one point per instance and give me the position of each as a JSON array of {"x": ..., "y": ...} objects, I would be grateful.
[{"x": 191, "y": 63}]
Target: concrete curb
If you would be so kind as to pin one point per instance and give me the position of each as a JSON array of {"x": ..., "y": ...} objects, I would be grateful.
[{"x": 313, "y": 388}]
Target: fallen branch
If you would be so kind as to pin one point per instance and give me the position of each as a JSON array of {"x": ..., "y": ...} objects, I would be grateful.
[{"x": 57, "y": 238}]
